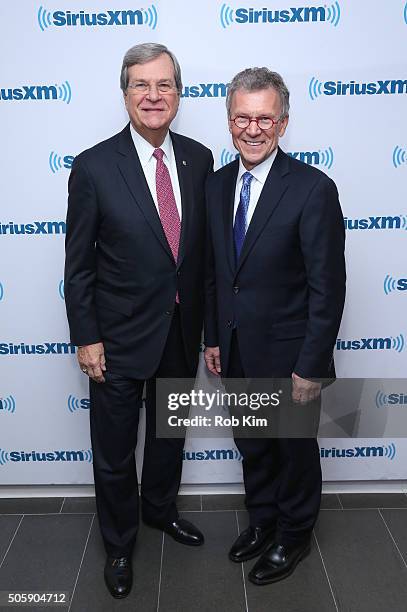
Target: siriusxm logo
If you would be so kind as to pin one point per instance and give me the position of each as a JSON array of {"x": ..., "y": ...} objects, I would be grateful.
[
  {"x": 205, "y": 90},
  {"x": 392, "y": 399},
  {"x": 212, "y": 455},
  {"x": 35, "y": 227},
  {"x": 140, "y": 17},
  {"x": 75, "y": 404},
  {"x": 356, "y": 452},
  {"x": 391, "y": 284},
  {"x": 397, "y": 222},
  {"x": 56, "y": 162},
  {"x": 372, "y": 344},
  {"x": 8, "y": 404},
  {"x": 61, "y": 290},
  {"x": 301, "y": 14},
  {"x": 46, "y": 348},
  {"x": 33, "y": 456},
  {"x": 1, "y": 292},
  {"x": 399, "y": 156},
  {"x": 317, "y": 88},
  {"x": 38, "y": 92},
  {"x": 313, "y": 158}
]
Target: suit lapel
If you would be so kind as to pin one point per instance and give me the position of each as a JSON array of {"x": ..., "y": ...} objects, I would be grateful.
[
  {"x": 273, "y": 190},
  {"x": 228, "y": 200},
  {"x": 184, "y": 171},
  {"x": 132, "y": 172}
]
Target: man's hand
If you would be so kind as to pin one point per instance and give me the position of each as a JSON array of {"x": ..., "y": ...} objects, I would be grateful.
[
  {"x": 92, "y": 361},
  {"x": 304, "y": 390},
  {"x": 212, "y": 359}
]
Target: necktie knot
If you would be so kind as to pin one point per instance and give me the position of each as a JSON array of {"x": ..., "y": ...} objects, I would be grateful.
[
  {"x": 247, "y": 178},
  {"x": 158, "y": 154}
]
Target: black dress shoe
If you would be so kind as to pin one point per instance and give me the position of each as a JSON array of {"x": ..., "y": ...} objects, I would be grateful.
[
  {"x": 251, "y": 542},
  {"x": 278, "y": 562},
  {"x": 118, "y": 576},
  {"x": 184, "y": 532}
]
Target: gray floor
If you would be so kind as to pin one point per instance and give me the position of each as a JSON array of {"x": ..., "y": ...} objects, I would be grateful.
[{"x": 358, "y": 560}]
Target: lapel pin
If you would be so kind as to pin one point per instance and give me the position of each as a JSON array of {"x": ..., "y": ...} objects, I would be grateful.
[{"x": 184, "y": 163}]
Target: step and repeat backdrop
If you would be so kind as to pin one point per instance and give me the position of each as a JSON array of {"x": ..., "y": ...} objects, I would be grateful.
[{"x": 344, "y": 63}]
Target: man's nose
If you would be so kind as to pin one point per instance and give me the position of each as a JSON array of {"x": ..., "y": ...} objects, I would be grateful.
[
  {"x": 253, "y": 129},
  {"x": 153, "y": 93}
]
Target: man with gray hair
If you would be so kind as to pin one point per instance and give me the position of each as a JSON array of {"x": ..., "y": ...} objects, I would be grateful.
[
  {"x": 275, "y": 292},
  {"x": 134, "y": 297}
]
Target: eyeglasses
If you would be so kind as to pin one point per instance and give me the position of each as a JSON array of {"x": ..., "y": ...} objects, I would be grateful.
[
  {"x": 140, "y": 87},
  {"x": 264, "y": 123}
]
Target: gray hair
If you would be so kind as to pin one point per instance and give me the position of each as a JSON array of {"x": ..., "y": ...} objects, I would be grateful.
[
  {"x": 255, "y": 79},
  {"x": 141, "y": 54}
]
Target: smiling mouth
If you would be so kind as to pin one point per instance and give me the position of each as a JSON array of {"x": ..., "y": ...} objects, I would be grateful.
[{"x": 253, "y": 143}]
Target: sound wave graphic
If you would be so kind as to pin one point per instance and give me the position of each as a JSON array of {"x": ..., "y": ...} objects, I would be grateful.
[
  {"x": 8, "y": 404},
  {"x": 65, "y": 92},
  {"x": 405, "y": 13},
  {"x": 44, "y": 18},
  {"x": 88, "y": 455},
  {"x": 237, "y": 455},
  {"x": 61, "y": 290},
  {"x": 55, "y": 161},
  {"x": 74, "y": 404},
  {"x": 390, "y": 451},
  {"x": 151, "y": 17},
  {"x": 398, "y": 343},
  {"x": 1, "y": 292},
  {"x": 4, "y": 457},
  {"x": 226, "y": 15},
  {"x": 389, "y": 284},
  {"x": 227, "y": 156},
  {"x": 327, "y": 158},
  {"x": 315, "y": 88},
  {"x": 381, "y": 399},
  {"x": 334, "y": 13},
  {"x": 399, "y": 157}
]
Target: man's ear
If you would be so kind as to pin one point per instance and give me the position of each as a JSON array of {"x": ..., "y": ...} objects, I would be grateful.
[{"x": 283, "y": 127}]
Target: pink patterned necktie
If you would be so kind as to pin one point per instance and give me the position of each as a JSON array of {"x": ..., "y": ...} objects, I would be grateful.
[{"x": 167, "y": 206}]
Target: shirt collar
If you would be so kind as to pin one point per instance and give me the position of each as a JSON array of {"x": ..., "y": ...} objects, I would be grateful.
[
  {"x": 260, "y": 172},
  {"x": 145, "y": 150}
]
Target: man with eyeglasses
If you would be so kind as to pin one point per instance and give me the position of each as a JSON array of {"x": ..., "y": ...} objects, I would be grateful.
[
  {"x": 134, "y": 296},
  {"x": 275, "y": 292}
]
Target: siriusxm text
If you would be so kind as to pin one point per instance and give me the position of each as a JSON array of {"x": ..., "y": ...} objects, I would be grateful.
[
  {"x": 361, "y": 344},
  {"x": 30, "y": 92},
  {"x": 337, "y": 88},
  {"x": 299, "y": 14},
  {"x": 35, "y": 227},
  {"x": 46, "y": 348},
  {"x": 357, "y": 451},
  {"x": 374, "y": 223},
  {"x": 107, "y": 18},
  {"x": 58, "y": 455}
]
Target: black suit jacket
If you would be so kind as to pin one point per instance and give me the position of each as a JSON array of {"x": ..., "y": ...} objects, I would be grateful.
[
  {"x": 285, "y": 295},
  {"x": 120, "y": 275}
]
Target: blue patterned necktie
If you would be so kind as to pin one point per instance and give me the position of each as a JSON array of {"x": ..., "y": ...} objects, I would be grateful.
[{"x": 240, "y": 226}]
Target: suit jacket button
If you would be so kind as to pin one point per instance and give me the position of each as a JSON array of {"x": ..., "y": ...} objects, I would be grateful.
[
  {"x": 229, "y": 324},
  {"x": 236, "y": 289},
  {"x": 168, "y": 312}
]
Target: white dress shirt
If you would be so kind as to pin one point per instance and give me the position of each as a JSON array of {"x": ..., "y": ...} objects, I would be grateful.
[
  {"x": 149, "y": 164},
  {"x": 260, "y": 174}
]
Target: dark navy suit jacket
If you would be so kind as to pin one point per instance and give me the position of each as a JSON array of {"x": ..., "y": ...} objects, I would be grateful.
[
  {"x": 285, "y": 294},
  {"x": 120, "y": 276}
]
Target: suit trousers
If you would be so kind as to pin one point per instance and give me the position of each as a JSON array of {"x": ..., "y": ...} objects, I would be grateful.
[
  {"x": 282, "y": 476},
  {"x": 114, "y": 418}
]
